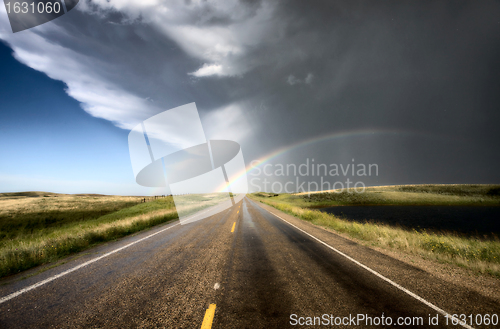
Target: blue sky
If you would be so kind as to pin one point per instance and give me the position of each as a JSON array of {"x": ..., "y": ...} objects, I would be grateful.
[{"x": 50, "y": 143}]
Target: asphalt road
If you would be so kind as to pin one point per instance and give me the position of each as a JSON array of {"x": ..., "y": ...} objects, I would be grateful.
[{"x": 257, "y": 275}]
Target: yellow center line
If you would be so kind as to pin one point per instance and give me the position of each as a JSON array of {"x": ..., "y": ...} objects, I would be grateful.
[
  {"x": 234, "y": 225},
  {"x": 209, "y": 317}
]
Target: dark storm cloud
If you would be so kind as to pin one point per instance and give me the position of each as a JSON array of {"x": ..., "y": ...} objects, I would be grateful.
[{"x": 430, "y": 69}]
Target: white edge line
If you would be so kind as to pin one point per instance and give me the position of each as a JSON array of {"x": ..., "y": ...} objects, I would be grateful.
[
  {"x": 57, "y": 276},
  {"x": 417, "y": 297}
]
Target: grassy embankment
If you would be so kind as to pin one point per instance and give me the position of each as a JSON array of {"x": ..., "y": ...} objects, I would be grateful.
[
  {"x": 38, "y": 228},
  {"x": 476, "y": 253}
]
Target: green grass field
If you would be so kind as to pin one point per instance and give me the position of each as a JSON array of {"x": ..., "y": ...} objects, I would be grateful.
[
  {"x": 475, "y": 253},
  {"x": 38, "y": 228},
  {"x": 402, "y": 195}
]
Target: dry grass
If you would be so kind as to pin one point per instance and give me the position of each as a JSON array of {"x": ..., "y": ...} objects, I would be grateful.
[
  {"x": 38, "y": 228},
  {"x": 37, "y": 213},
  {"x": 11, "y": 205}
]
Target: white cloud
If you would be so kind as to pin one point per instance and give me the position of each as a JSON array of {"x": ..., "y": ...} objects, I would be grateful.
[
  {"x": 208, "y": 70},
  {"x": 81, "y": 73},
  {"x": 212, "y": 31}
]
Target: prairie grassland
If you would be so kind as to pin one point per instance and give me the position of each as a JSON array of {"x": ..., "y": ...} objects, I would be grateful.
[
  {"x": 30, "y": 213},
  {"x": 38, "y": 228},
  {"x": 480, "y": 255}
]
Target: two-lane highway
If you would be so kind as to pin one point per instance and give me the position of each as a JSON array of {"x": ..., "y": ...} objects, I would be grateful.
[{"x": 257, "y": 270}]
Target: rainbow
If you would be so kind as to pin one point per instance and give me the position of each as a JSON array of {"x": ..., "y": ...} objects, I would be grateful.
[{"x": 327, "y": 137}]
